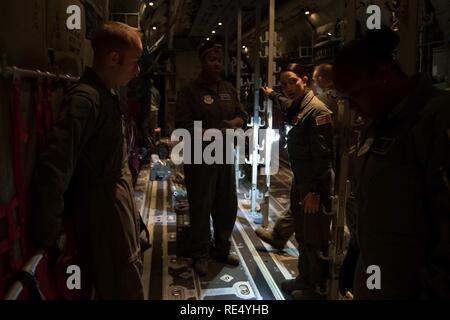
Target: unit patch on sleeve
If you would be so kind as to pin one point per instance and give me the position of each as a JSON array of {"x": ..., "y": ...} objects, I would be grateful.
[{"x": 321, "y": 120}]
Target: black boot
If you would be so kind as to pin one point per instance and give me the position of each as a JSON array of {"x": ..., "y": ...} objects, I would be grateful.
[{"x": 201, "y": 266}]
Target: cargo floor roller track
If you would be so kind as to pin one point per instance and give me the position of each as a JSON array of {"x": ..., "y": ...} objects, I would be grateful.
[{"x": 262, "y": 268}]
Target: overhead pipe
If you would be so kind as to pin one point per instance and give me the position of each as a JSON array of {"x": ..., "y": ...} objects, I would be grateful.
[{"x": 26, "y": 73}]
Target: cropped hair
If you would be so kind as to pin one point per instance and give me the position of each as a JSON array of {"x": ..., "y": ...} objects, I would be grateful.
[{"x": 114, "y": 36}]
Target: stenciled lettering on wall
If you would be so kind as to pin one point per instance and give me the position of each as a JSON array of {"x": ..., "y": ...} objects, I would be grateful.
[
  {"x": 73, "y": 21},
  {"x": 374, "y": 20},
  {"x": 374, "y": 280},
  {"x": 74, "y": 277}
]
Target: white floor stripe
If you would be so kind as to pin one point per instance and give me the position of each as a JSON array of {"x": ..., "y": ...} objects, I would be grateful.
[
  {"x": 287, "y": 275},
  {"x": 151, "y": 207},
  {"x": 260, "y": 263},
  {"x": 165, "y": 244},
  {"x": 247, "y": 271}
]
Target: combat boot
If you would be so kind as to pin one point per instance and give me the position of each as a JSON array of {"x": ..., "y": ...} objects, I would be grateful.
[
  {"x": 230, "y": 259},
  {"x": 307, "y": 295},
  {"x": 201, "y": 266},
  {"x": 290, "y": 286},
  {"x": 268, "y": 237}
]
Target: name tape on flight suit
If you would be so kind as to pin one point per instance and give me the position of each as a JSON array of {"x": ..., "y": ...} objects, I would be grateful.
[
  {"x": 321, "y": 120},
  {"x": 225, "y": 97}
]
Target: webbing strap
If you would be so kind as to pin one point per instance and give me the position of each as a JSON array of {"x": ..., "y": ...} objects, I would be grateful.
[
  {"x": 19, "y": 135},
  {"x": 6, "y": 211},
  {"x": 16, "y": 229},
  {"x": 48, "y": 106},
  {"x": 38, "y": 113}
]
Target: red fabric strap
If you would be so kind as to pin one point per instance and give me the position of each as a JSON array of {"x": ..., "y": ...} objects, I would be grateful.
[
  {"x": 19, "y": 202},
  {"x": 48, "y": 106},
  {"x": 7, "y": 211},
  {"x": 38, "y": 113},
  {"x": 19, "y": 135}
]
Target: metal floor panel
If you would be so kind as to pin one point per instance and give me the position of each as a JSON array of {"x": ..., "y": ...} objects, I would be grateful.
[{"x": 262, "y": 268}]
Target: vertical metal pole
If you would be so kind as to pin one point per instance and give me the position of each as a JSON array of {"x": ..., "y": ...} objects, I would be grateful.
[
  {"x": 169, "y": 78},
  {"x": 270, "y": 66},
  {"x": 106, "y": 10},
  {"x": 270, "y": 83},
  {"x": 237, "y": 172},
  {"x": 336, "y": 248},
  {"x": 254, "y": 192},
  {"x": 238, "y": 52},
  {"x": 256, "y": 62},
  {"x": 408, "y": 32},
  {"x": 225, "y": 51},
  {"x": 256, "y": 120}
]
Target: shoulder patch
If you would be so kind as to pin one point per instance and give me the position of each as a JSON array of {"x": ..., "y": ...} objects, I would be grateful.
[{"x": 324, "y": 119}]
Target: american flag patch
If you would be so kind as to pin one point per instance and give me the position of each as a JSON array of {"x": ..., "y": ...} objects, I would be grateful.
[{"x": 321, "y": 120}]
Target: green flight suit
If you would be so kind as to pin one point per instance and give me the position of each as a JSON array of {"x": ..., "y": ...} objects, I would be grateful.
[
  {"x": 211, "y": 188},
  {"x": 403, "y": 220},
  {"x": 84, "y": 172},
  {"x": 310, "y": 144},
  {"x": 329, "y": 98}
]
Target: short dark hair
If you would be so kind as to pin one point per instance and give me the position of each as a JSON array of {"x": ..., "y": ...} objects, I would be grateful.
[
  {"x": 113, "y": 36},
  {"x": 376, "y": 47},
  {"x": 296, "y": 68},
  {"x": 325, "y": 70}
]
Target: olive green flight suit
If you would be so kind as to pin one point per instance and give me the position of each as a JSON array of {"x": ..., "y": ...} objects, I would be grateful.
[
  {"x": 329, "y": 98},
  {"x": 211, "y": 188},
  {"x": 84, "y": 172},
  {"x": 283, "y": 228},
  {"x": 310, "y": 144},
  {"x": 403, "y": 221}
]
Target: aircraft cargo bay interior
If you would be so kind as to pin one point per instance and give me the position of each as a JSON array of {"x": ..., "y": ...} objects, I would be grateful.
[{"x": 224, "y": 150}]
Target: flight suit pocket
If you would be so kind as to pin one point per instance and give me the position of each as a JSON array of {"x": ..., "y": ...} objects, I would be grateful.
[{"x": 298, "y": 149}]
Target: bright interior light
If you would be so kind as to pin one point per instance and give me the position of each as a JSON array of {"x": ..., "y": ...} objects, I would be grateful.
[
  {"x": 207, "y": 39},
  {"x": 220, "y": 23},
  {"x": 214, "y": 31},
  {"x": 276, "y": 137},
  {"x": 307, "y": 12},
  {"x": 272, "y": 135},
  {"x": 151, "y": 4},
  {"x": 154, "y": 28}
]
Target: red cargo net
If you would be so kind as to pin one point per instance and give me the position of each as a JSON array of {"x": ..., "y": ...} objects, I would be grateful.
[{"x": 15, "y": 224}]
